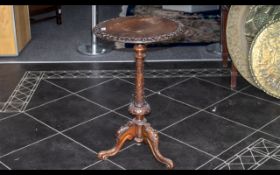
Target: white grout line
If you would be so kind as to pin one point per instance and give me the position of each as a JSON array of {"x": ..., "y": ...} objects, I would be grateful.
[
  {"x": 162, "y": 133},
  {"x": 2, "y": 163},
  {"x": 245, "y": 93},
  {"x": 89, "y": 149},
  {"x": 14, "y": 92},
  {"x": 76, "y": 93},
  {"x": 241, "y": 92},
  {"x": 238, "y": 123},
  {"x": 33, "y": 91},
  {"x": 258, "y": 130},
  {"x": 2, "y": 106},
  {"x": 184, "y": 143},
  {"x": 92, "y": 164},
  {"x": 107, "y": 159},
  {"x": 38, "y": 141},
  {"x": 116, "y": 164},
  {"x": 204, "y": 110},
  {"x": 37, "y": 83},
  {"x": 160, "y": 89},
  {"x": 46, "y": 103},
  {"x": 10, "y": 116},
  {"x": 70, "y": 129},
  {"x": 54, "y": 100},
  {"x": 250, "y": 147},
  {"x": 199, "y": 109},
  {"x": 232, "y": 121},
  {"x": 179, "y": 121},
  {"x": 175, "y": 84},
  {"x": 87, "y": 121},
  {"x": 215, "y": 84},
  {"x": 109, "y": 110},
  {"x": 166, "y": 134}
]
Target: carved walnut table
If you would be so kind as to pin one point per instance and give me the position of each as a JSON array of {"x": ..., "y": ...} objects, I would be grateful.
[{"x": 139, "y": 30}]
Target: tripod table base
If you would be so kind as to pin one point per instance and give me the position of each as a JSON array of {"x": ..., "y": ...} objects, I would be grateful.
[{"x": 129, "y": 132}]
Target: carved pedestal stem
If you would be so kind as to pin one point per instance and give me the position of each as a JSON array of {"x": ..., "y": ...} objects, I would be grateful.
[{"x": 138, "y": 128}]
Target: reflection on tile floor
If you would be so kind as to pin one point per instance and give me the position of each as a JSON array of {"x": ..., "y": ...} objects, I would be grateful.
[{"x": 59, "y": 119}]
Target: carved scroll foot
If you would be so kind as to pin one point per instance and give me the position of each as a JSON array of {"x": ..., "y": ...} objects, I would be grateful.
[
  {"x": 153, "y": 140},
  {"x": 126, "y": 132}
]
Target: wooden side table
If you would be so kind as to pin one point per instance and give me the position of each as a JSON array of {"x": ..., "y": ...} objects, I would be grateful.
[{"x": 138, "y": 30}]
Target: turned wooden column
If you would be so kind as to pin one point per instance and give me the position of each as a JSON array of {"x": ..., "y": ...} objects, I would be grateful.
[
  {"x": 139, "y": 108},
  {"x": 140, "y": 31},
  {"x": 138, "y": 128}
]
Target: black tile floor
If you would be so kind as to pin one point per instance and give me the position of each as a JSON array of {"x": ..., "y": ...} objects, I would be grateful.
[{"x": 58, "y": 116}]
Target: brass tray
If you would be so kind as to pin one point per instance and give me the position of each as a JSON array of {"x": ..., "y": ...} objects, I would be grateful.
[
  {"x": 238, "y": 46},
  {"x": 258, "y": 17},
  {"x": 265, "y": 58}
]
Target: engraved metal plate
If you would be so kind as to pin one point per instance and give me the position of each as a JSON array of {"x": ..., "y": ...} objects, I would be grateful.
[
  {"x": 238, "y": 46},
  {"x": 258, "y": 17},
  {"x": 265, "y": 59}
]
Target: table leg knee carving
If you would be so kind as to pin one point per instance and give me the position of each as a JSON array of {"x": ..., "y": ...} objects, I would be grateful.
[
  {"x": 126, "y": 132},
  {"x": 153, "y": 141}
]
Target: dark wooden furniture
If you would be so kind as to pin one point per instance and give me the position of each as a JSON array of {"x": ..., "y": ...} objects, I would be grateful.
[
  {"x": 35, "y": 10},
  {"x": 225, "y": 54},
  {"x": 138, "y": 31}
]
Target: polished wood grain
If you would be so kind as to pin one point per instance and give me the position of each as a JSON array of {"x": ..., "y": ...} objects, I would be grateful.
[
  {"x": 138, "y": 129},
  {"x": 8, "y": 45},
  {"x": 15, "y": 30},
  {"x": 22, "y": 24}
]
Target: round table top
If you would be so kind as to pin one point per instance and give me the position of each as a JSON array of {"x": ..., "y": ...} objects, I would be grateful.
[{"x": 139, "y": 29}]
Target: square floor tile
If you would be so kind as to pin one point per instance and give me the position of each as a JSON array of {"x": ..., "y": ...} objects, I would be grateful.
[
  {"x": 2, "y": 167},
  {"x": 104, "y": 165},
  {"x": 10, "y": 78},
  {"x": 99, "y": 134},
  {"x": 251, "y": 152},
  {"x": 259, "y": 93},
  {"x": 45, "y": 92},
  {"x": 76, "y": 84},
  {"x": 270, "y": 164},
  {"x": 211, "y": 165},
  {"x": 67, "y": 112},
  {"x": 2, "y": 104},
  {"x": 164, "y": 111},
  {"x": 141, "y": 157},
  {"x": 208, "y": 133},
  {"x": 273, "y": 128},
  {"x": 20, "y": 131},
  {"x": 157, "y": 84},
  {"x": 225, "y": 81},
  {"x": 4, "y": 115},
  {"x": 247, "y": 110},
  {"x": 112, "y": 94},
  {"x": 197, "y": 92},
  {"x": 57, "y": 152}
]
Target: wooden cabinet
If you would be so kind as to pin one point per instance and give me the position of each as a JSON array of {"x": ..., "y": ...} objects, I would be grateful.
[{"x": 15, "y": 30}]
